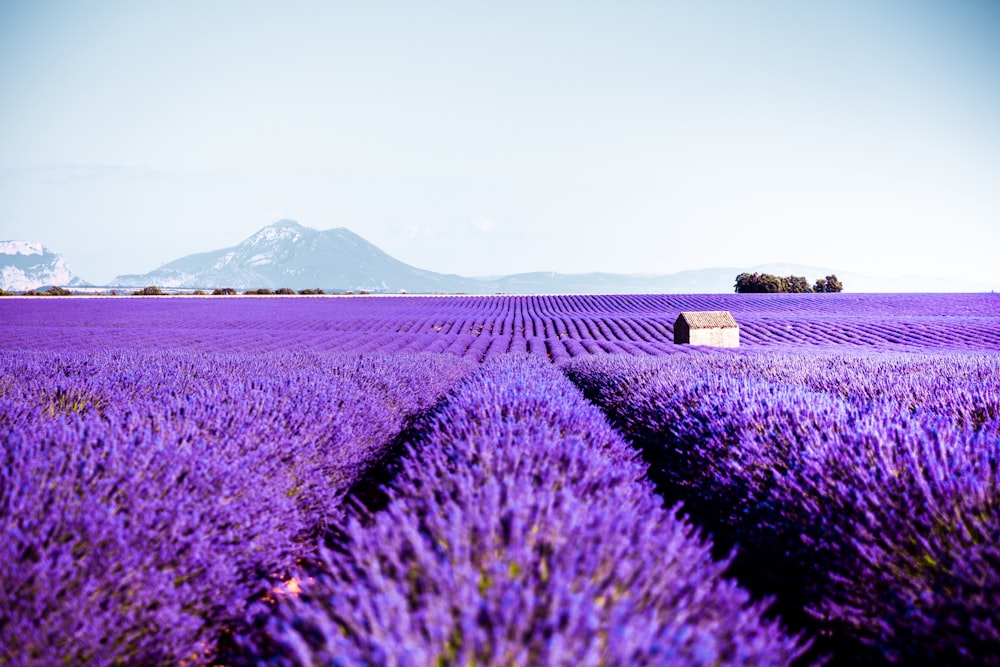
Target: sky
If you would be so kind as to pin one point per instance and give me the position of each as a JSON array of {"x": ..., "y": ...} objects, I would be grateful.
[{"x": 484, "y": 138}]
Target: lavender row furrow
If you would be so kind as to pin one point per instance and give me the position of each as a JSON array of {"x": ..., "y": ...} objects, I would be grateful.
[
  {"x": 144, "y": 496},
  {"x": 636, "y": 324},
  {"x": 863, "y": 490},
  {"x": 520, "y": 530}
]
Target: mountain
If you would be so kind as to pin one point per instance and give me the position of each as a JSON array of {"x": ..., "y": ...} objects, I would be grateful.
[
  {"x": 716, "y": 280},
  {"x": 286, "y": 254},
  {"x": 27, "y": 265},
  {"x": 685, "y": 282}
]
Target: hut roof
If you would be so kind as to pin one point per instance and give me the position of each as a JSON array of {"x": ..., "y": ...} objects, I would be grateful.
[{"x": 709, "y": 319}]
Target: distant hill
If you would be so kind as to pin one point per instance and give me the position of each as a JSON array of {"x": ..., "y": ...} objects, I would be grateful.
[
  {"x": 706, "y": 281},
  {"x": 287, "y": 254},
  {"x": 27, "y": 265}
]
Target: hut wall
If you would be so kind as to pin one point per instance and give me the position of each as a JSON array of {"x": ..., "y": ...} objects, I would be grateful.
[{"x": 716, "y": 337}]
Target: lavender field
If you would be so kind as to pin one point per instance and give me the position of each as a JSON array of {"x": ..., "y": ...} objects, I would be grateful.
[{"x": 499, "y": 480}]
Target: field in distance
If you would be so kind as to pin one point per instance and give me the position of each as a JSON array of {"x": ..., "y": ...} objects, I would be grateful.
[{"x": 478, "y": 327}]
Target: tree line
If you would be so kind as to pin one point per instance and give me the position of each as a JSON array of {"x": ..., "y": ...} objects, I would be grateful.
[
  {"x": 153, "y": 290},
  {"x": 765, "y": 283}
]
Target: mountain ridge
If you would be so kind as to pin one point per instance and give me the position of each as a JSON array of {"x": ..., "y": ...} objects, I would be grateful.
[
  {"x": 28, "y": 265},
  {"x": 288, "y": 254}
]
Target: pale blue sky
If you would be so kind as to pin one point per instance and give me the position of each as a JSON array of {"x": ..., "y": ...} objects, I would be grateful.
[{"x": 487, "y": 138}]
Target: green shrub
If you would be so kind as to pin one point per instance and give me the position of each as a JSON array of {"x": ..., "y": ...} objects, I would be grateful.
[
  {"x": 52, "y": 291},
  {"x": 765, "y": 283},
  {"x": 828, "y": 284}
]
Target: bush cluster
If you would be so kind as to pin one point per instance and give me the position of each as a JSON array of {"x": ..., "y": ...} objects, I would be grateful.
[
  {"x": 52, "y": 291},
  {"x": 765, "y": 283}
]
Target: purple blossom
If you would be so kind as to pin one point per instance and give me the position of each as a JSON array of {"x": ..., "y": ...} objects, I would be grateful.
[
  {"x": 860, "y": 488},
  {"x": 520, "y": 531},
  {"x": 144, "y": 496}
]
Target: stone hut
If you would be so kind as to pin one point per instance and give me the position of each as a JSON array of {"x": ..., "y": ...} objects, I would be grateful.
[{"x": 716, "y": 328}]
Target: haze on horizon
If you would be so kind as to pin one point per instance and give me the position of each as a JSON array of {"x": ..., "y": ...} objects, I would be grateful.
[{"x": 488, "y": 139}]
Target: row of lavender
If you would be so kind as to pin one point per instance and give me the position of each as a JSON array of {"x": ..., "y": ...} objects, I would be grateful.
[
  {"x": 555, "y": 327},
  {"x": 861, "y": 489},
  {"x": 145, "y": 497},
  {"x": 182, "y": 480},
  {"x": 520, "y": 530}
]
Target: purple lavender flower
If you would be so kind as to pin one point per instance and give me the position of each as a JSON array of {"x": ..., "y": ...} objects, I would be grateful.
[
  {"x": 520, "y": 531},
  {"x": 145, "y": 496}
]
